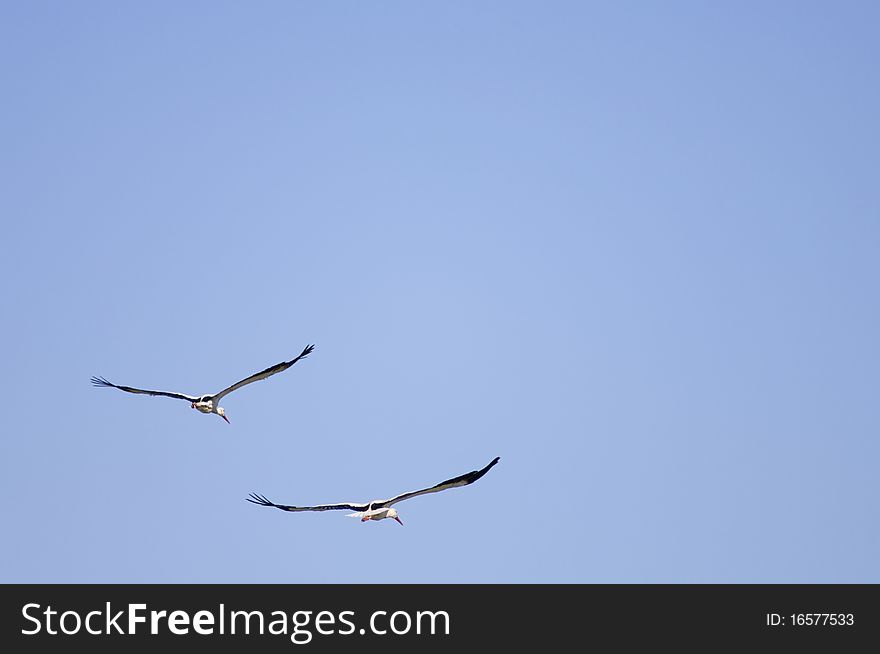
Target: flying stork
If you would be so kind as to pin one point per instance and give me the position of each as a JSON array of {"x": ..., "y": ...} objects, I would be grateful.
[
  {"x": 380, "y": 509},
  {"x": 210, "y": 403}
]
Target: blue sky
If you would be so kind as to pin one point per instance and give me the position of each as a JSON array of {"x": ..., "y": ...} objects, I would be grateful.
[{"x": 632, "y": 250}]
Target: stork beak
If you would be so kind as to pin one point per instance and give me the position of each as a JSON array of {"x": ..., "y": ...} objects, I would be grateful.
[
  {"x": 399, "y": 521},
  {"x": 226, "y": 419}
]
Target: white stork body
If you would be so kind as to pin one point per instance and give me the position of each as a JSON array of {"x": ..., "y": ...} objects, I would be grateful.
[
  {"x": 376, "y": 514},
  {"x": 206, "y": 405},
  {"x": 210, "y": 403},
  {"x": 380, "y": 509}
]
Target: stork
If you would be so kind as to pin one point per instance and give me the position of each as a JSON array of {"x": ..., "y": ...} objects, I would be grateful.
[
  {"x": 210, "y": 403},
  {"x": 380, "y": 509}
]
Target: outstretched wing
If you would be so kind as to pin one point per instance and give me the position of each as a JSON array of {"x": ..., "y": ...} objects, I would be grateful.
[
  {"x": 455, "y": 482},
  {"x": 262, "y": 501},
  {"x": 268, "y": 372},
  {"x": 101, "y": 382}
]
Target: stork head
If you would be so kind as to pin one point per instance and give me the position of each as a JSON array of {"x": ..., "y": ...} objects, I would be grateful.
[
  {"x": 392, "y": 513},
  {"x": 222, "y": 413}
]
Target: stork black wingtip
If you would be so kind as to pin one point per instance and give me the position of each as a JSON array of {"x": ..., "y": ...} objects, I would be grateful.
[
  {"x": 257, "y": 499},
  {"x": 262, "y": 500}
]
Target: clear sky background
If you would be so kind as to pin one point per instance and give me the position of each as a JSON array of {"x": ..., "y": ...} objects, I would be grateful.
[{"x": 633, "y": 249}]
